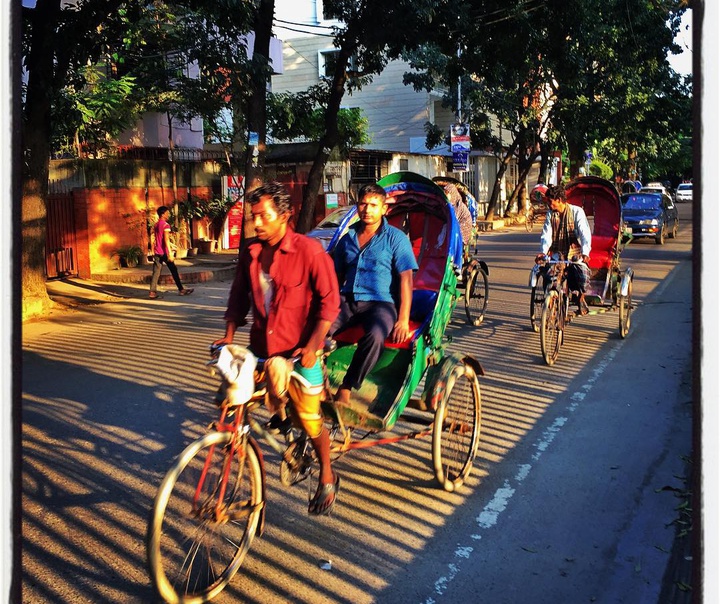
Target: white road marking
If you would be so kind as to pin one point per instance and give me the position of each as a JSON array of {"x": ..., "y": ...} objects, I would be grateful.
[{"x": 499, "y": 503}]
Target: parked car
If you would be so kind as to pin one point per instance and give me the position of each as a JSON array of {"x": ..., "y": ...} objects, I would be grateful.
[
  {"x": 684, "y": 192},
  {"x": 654, "y": 188},
  {"x": 328, "y": 226},
  {"x": 650, "y": 215}
]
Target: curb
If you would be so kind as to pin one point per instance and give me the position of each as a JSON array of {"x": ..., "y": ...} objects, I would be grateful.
[{"x": 187, "y": 275}]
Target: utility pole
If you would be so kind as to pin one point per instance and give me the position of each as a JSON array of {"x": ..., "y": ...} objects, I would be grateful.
[{"x": 458, "y": 112}]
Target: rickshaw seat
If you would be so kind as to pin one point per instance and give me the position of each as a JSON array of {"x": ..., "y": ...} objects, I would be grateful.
[
  {"x": 602, "y": 251},
  {"x": 428, "y": 235},
  {"x": 423, "y": 304}
]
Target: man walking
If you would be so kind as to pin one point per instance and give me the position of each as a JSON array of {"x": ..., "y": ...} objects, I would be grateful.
[{"x": 163, "y": 253}]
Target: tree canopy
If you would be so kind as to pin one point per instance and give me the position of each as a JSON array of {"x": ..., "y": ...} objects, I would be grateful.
[{"x": 570, "y": 74}]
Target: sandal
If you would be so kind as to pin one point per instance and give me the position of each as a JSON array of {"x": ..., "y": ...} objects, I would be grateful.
[
  {"x": 186, "y": 291},
  {"x": 325, "y": 497}
]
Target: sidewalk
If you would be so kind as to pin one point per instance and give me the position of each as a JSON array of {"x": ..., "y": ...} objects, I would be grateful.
[{"x": 126, "y": 283}]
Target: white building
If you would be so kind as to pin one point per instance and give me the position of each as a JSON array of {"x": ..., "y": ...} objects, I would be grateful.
[{"x": 396, "y": 113}]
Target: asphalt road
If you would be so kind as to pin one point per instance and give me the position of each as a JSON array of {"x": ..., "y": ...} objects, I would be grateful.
[{"x": 572, "y": 498}]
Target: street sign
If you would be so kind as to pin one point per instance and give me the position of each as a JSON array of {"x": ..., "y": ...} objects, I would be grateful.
[{"x": 460, "y": 146}]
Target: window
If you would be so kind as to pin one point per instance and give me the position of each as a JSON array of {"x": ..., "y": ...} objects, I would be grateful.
[
  {"x": 327, "y": 60},
  {"x": 403, "y": 164},
  {"x": 326, "y": 63},
  {"x": 321, "y": 15}
]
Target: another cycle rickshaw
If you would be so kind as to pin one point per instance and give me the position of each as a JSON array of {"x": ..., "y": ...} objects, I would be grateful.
[
  {"x": 475, "y": 272},
  {"x": 610, "y": 286},
  {"x": 535, "y": 213},
  {"x": 211, "y": 503}
]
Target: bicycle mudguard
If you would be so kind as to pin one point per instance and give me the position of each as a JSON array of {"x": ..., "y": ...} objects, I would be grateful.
[{"x": 261, "y": 522}]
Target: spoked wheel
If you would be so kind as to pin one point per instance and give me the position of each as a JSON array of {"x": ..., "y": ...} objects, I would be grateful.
[
  {"x": 476, "y": 296},
  {"x": 456, "y": 430},
  {"x": 537, "y": 299},
  {"x": 194, "y": 549},
  {"x": 551, "y": 328},
  {"x": 624, "y": 310},
  {"x": 296, "y": 462},
  {"x": 529, "y": 221}
]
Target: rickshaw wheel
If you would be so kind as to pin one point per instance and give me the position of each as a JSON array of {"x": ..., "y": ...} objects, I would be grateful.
[
  {"x": 551, "y": 328},
  {"x": 529, "y": 221},
  {"x": 456, "y": 430},
  {"x": 624, "y": 309},
  {"x": 537, "y": 299},
  {"x": 476, "y": 296}
]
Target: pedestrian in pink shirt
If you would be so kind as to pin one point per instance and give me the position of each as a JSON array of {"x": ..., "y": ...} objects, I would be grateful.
[{"x": 163, "y": 253}]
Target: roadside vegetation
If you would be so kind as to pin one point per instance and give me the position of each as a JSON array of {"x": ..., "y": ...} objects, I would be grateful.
[{"x": 570, "y": 75}]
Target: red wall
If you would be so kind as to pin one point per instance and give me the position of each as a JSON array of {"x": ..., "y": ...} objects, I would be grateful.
[{"x": 107, "y": 219}]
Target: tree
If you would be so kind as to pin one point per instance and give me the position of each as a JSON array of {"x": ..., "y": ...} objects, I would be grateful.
[
  {"x": 257, "y": 104},
  {"x": 573, "y": 72},
  {"x": 370, "y": 46},
  {"x": 610, "y": 70},
  {"x": 57, "y": 42},
  {"x": 495, "y": 53},
  {"x": 190, "y": 61},
  {"x": 301, "y": 116}
]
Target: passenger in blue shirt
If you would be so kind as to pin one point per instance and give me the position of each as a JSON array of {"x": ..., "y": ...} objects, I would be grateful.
[{"x": 374, "y": 262}]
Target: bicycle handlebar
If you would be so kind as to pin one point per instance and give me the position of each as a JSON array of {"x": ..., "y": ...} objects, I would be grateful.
[{"x": 574, "y": 260}]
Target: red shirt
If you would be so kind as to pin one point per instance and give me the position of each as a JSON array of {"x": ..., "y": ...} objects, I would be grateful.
[{"x": 305, "y": 291}]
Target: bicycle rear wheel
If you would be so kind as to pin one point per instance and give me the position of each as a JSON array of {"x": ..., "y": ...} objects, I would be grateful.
[
  {"x": 456, "y": 431},
  {"x": 624, "y": 310},
  {"x": 529, "y": 221},
  {"x": 551, "y": 327},
  {"x": 194, "y": 549},
  {"x": 476, "y": 296},
  {"x": 537, "y": 299}
]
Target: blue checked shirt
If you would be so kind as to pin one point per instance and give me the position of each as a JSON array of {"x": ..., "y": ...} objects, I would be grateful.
[{"x": 372, "y": 273}]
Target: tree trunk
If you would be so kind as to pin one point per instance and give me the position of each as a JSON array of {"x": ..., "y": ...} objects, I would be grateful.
[
  {"x": 525, "y": 167},
  {"x": 575, "y": 155},
  {"x": 327, "y": 142},
  {"x": 525, "y": 162},
  {"x": 492, "y": 205},
  {"x": 36, "y": 161},
  {"x": 544, "y": 162},
  {"x": 257, "y": 107},
  {"x": 632, "y": 163}
]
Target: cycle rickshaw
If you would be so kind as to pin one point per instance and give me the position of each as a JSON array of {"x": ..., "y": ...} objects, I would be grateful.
[
  {"x": 212, "y": 503},
  {"x": 475, "y": 271},
  {"x": 610, "y": 286}
]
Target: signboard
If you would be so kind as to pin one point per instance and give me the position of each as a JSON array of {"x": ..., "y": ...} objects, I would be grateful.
[
  {"x": 460, "y": 146},
  {"x": 232, "y": 186},
  {"x": 331, "y": 200}
]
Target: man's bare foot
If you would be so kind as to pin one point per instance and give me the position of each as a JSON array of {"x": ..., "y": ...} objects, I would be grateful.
[{"x": 343, "y": 395}]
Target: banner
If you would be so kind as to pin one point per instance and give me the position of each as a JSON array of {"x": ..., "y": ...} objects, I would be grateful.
[
  {"x": 460, "y": 147},
  {"x": 233, "y": 187}
]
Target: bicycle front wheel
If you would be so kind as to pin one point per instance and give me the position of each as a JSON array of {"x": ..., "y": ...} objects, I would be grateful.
[
  {"x": 196, "y": 545},
  {"x": 529, "y": 221},
  {"x": 552, "y": 324}
]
